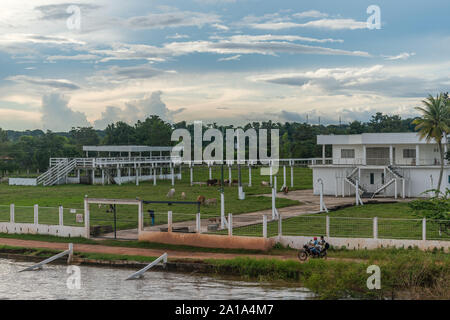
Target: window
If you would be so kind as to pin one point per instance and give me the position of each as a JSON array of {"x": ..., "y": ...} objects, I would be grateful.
[
  {"x": 448, "y": 179},
  {"x": 409, "y": 153},
  {"x": 347, "y": 153},
  {"x": 382, "y": 178},
  {"x": 372, "y": 178}
]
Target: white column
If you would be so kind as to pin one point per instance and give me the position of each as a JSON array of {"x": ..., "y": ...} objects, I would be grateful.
[
  {"x": 323, "y": 154},
  {"x": 210, "y": 171},
  {"x": 191, "y": 169},
  {"x": 327, "y": 226},
  {"x": 403, "y": 189},
  {"x": 264, "y": 226},
  {"x": 136, "y": 172},
  {"x": 154, "y": 175},
  {"x": 36, "y": 214},
  {"x": 292, "y": 176},
  {"x": 229, "y": 175},
  {"x": 11, "y": 213},
  {"x": 169, "y": 221},
  {"x": 103, "y": 177},
  {"x": 93, "y": 176},
  {"x": 119, "y": 175},
  {"x": 417, "y": 155},
  {"x": 86, "y": 219},
  {"x": 222, "y": 210},
  {"x": 61, "y": 215},
  {"x": 356, "y": 193},
  {"x": 141, "y": 217},
  {"x": 198, "y": 223},
  {"x": 424, "y": 229},
  {"x": 230, "y": 224},
  {"x": 364, "y": 155},
  {"x": 284, "y": 176},
  {"x": 249, "y": 175},
  {"x": 395, "y": 188},
  {"x": 391, "y": 155},
  {"x": 172, "y": 174},
  {"x": 375, "y": 227}
]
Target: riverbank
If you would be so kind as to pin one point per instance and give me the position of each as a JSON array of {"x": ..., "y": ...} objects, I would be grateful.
[{"x": 405, "y": 273}]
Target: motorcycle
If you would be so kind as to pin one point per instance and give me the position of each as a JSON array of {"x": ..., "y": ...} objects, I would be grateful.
[{"x": 306, "y": 252}]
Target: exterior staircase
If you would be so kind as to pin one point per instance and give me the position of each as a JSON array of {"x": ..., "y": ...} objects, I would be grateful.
[{"x": 57, "y": 172}]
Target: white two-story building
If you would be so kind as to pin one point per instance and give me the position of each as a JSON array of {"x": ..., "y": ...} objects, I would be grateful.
[{"x": 380, "y": 164}]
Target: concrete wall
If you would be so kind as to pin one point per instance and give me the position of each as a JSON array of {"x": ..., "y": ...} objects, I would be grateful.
[
  {"x": 22, "y": 182},
  {"x": 54, "y": 230},
  {"x": 298, "y": 242},
  {"x": 207, "y": 240}
]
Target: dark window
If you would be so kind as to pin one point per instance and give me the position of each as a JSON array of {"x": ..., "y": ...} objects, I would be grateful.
[
  {"x": 409, "y": 153},
  {"x": 347, "y": 153},
  {"x": 382, "y": 178},
  {"x": 372, "y": 178}
]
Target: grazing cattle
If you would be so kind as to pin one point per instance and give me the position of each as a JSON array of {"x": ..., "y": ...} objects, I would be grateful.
[
  {"x": 264, "y": 183},
  {"x": 211, "y": 182},
  {"x": 171, "y": 193},
  {"x": 183, "y": 195},
  {"x": 201, "y": 199},
  {"x": 210, "y": 202}
]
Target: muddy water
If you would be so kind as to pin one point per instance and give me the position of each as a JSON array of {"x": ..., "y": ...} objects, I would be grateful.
[{"x": 54, "y": 282}]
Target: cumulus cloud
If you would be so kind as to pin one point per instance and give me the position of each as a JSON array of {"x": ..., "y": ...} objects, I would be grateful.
[
  {"x": 62, "y": 84},
  {"x": 138, "y": 109},
  {"x": 375, "y": 79},
  {"x": 310, "y": 14},
  {"x": 58, "y": 116}
]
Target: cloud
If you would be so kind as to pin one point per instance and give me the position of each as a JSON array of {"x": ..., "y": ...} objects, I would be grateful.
[
  {"x": 310, "y": 14},
  {"x": 350, "y": 81},
  {"x": 120, "y": 74},
  {"x": 57, "y": 116},
  {"x": 58, "y": 11},
  {"x": 63, "y": 84},
  {"x": 401, "y": 56},
  {"x": 138, "y": 109},
  {"x": 172, "y": 19},
  {"x": 178, "y": 36},
  {"x": 77, "y": 57},
  {"x": 332, "y": 24},
  {"x": 14, "y": 38},
  {"x": 236, "y": 57}
]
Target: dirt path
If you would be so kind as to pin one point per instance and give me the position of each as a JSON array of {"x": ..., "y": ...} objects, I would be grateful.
[{"x": 90, "y": 248}]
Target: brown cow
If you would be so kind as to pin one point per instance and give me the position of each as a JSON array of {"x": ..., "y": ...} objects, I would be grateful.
[{"x": 201, "y": 199}]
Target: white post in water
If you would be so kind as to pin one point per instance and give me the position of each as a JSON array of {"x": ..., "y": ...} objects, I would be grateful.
[
  {"x": 11, "y": 213},
  {"x": 61, "y": 215},
  {"x": 249, "y": 175},
  {"x": 264, "y": 226},
  {"x": 36, "y": 214},
  {"x": 230, "y": 224}
]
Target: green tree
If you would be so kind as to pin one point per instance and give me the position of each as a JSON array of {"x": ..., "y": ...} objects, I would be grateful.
[
  {"x": 434, "y": 124},
  {"x": 3, "y": 136}
]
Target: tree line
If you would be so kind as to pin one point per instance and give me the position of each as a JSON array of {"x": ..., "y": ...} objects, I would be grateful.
[{"x": 31, "y": 150}]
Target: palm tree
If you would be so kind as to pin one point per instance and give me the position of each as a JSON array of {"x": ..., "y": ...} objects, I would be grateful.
[{"x": 435, "y": 124}]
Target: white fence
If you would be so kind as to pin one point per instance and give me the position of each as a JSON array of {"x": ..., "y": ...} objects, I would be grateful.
[{"x": 56, "y": 221}]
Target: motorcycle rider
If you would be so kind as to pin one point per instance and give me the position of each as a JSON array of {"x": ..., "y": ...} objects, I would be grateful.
[{"x": 314, "y": 246}]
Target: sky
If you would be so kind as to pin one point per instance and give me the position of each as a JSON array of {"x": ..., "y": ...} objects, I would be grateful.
[{"x": 89, "y": 63}]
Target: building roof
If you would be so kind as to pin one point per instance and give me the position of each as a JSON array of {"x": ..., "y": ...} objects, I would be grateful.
[
  {"x": 126, "y": 148},
  {"x": 372, "y": 138}
]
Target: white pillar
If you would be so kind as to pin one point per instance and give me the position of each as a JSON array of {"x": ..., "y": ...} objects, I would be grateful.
[
  {"x": 403, "y": 189},
  {"x": 391, "y": 155},
  {"x": 249, "y": 175},
  {"x": 264, "y": 226},
  {"x": 284, "y": 176},
  {"x": 230, "y": 224},
  {"x": 356, "y": 192},
  {"x": 169, "y": 221},
  {"x": 172, "y": 174},
  {"x": 395, "y": 188},
  {"x": 375, "y": 227},
  {"x": 323, "y": 154},
  {"x": 222, "y": 211},
  {"x": 364, "y": 162},
  {"x": 292, "y": 176},
  {"x": 417, "y": 155},
  {"x": 191, "y": 169},
  {"x": 336, "y": 187},
  {"x": 210, "y": 171},
  {"x": 93, "y": 176},
  {"x": 103, "y": 177},
  {"x": 198, "y": 223},
  {"x": 424, "y": 229},
  {"x": 86, "y": 219},
  {"x": 327, "y": 226},
  {"x": 136, "y": 172},
  {"x": 141, "y": 217},
  {"x": 229, "y": 175},
  {"x": 36, "y": 214},
  {"x": 11, "y": 213},
  {"x": 271, "y": 177},
  {"x": 119, "y": 175},
  {"x": 154, "y": 175},
  {"x": 61, "y": 215}
]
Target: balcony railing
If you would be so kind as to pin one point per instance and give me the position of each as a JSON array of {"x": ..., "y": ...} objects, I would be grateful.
[{"x": 387, "y": 161}]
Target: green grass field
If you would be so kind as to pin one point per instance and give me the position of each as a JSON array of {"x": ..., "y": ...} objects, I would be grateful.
[
  {"x": 395, "y": 221},
  {"x": 71, "y": 196}
]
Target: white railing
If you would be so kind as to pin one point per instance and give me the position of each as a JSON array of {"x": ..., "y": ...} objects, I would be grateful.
[{"x": 384, "y": 162}]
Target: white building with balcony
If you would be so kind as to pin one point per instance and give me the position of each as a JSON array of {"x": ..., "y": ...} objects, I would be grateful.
[{"x": 380, "y": 164}]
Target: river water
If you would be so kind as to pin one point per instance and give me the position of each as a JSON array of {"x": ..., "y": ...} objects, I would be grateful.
[{"x": 54, "y": 282}]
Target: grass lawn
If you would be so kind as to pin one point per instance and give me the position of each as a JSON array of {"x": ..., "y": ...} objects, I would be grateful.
[
  {"x": 395, "y": 221},
  {"x": 71, "y": 196}
]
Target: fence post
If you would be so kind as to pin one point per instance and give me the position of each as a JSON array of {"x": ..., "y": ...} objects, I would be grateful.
[
  {"x": 36, "y": 214},
  {"x": 11, "y": 213},
  {"x": 169, "y": 221},
  {"x": 424, "y": 229},
  {"x": 198, "y": 223},
  {"x": 327, "y": 226},
  {"x": 280, "y": 227},
  {"x": 87, "y": 218},
  {"x": 222, "y": 210},
  {"x": 375, "y": 227},
  {"x": 61, "y": 215},
  {"x": 230, "y": 224},
  {"x": 264, "y": 226}
]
